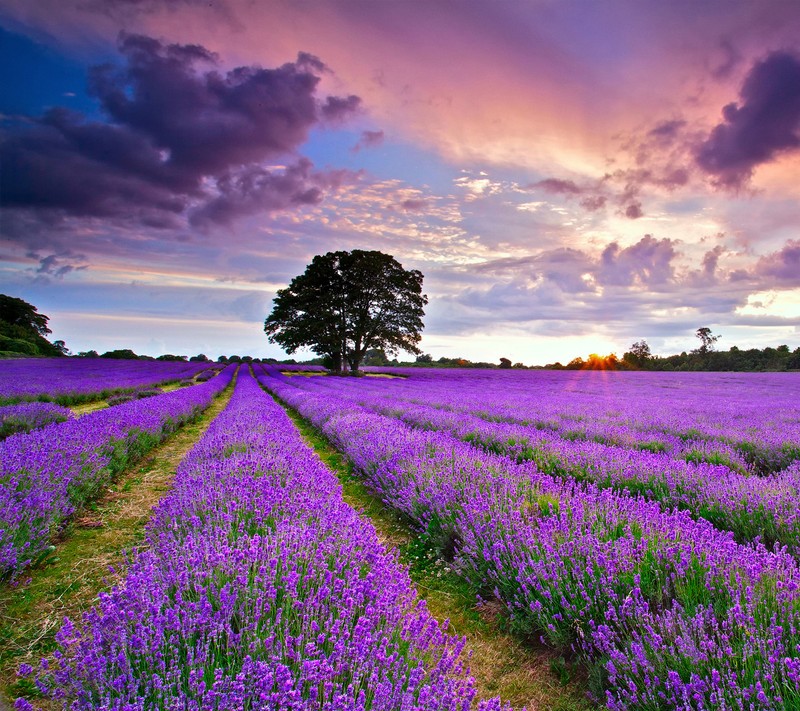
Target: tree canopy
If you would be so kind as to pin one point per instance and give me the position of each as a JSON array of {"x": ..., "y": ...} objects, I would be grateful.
[
  {"x": 707, "y": 340},
  {"x": 23, "y": 329},
  {"x": 639, "y": 354},
  {"x": 346, "y": 303}
]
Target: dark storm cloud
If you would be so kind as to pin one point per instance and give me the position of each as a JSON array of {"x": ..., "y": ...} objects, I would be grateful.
[
  {"x": 254, "y": 189},
  {"x": 763, "y": 125},
  {"x": 176, "y": 122},
  {"x": 45, "y": 168}
]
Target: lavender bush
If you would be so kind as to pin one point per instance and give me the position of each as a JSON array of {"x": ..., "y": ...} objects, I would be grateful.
[
  {"x": 753, "y": 507},
  {"x": 259, "y": 588},
  {"x": 668, "y": 611},
  {"x": 139, "y": 393},
  {"x": 742, "y": 417},
  {"x": 71, "y": 380},
  {"x": 46, "y": 474},
  {"x": 28, "y": 416}
]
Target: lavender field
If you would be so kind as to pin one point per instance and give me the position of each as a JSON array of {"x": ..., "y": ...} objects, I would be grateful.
[
  {"x": 646, "y": 523},
  {"x": 643, "y": 525},
  {"x": 50, "y": 471},
  {"x": 69, "y": 380}
]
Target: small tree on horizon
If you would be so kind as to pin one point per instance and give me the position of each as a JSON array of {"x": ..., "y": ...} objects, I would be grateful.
[
  {"x": 639, "y": 354},
  {"x": 347, "y": 303},
  {"x": 707, "y": 340}
]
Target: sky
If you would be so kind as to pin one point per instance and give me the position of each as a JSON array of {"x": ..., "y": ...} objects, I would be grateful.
[{"x": 570, "y": 176}]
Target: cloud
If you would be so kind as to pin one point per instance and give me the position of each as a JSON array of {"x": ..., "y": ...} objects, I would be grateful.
[
  {"x": 765, "y": 124},
  {"x": 414, "y": 204},
  {"x": 87, "y": 169},
  {"x": 177, "y": 125},
  {"x": 593, "y": 203},
  {"x": 727, "y": 59},
  {"x": 558, "y": 187},
  {"x": 783, "y": 265},
  {"x": 711, "y": 261},
  {"x": 648, "y": 262},
  {"x": 337, "y": 109},
  {"x": 634, "y": 211},
  {"x": 206, "y": 120},
  {"x": 54, "y": 265},
  {"x": 667, "y": 131},
  {"x": 369, "y": 139},
  {"x": 254, "y": 189}
]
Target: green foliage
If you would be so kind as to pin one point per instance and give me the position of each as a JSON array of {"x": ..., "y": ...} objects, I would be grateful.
[
  {"x": 19, "y": 313},
  {"x": 704, "y": 358},
  {"x": 639, "y": 354},
  {"x": 707, "y": 340},
  {"x": 375, "y": 356},
  {"x": 120, "y": 354},
  {"x": 18, "y": 345},
  {"x": 348, "y": 303},
  {"x": 23, "y": 330}
]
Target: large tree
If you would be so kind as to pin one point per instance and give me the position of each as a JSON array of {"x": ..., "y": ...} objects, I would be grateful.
[
  {"x": 346, "y": 303},
  {"x": 23, "y": 329}
]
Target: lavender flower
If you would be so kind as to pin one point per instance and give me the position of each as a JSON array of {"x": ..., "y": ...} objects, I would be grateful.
[
  {"x": 260, "y": 588},
  {"x": 46, "y": 474}
]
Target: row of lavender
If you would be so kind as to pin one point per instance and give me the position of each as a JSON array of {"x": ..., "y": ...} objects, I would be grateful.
[
  {"x": 69, "y": 380},
  {"x": 752, "y": 507},
  {"x": 46, "y": 474},
  {"x": 259, "y": 588},
  {"x": 751, "y": 420},
  {"x": 27, "y": 416},
  {"x": 669, "y": 611}
]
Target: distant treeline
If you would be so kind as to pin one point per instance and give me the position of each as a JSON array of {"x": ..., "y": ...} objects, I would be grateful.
[
  {"x": 23, "y": 332},
  {"x": 781, "y": 358},
  {"x": 639, "y": 357}
]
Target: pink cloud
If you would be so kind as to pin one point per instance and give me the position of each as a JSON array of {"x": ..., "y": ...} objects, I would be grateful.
[{"x": 782, "y": 266}]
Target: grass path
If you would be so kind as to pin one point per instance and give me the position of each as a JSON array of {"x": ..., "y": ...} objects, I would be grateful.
[
  {"x": 520, "y": 672},
  {"x": 97, "y": 540}
]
